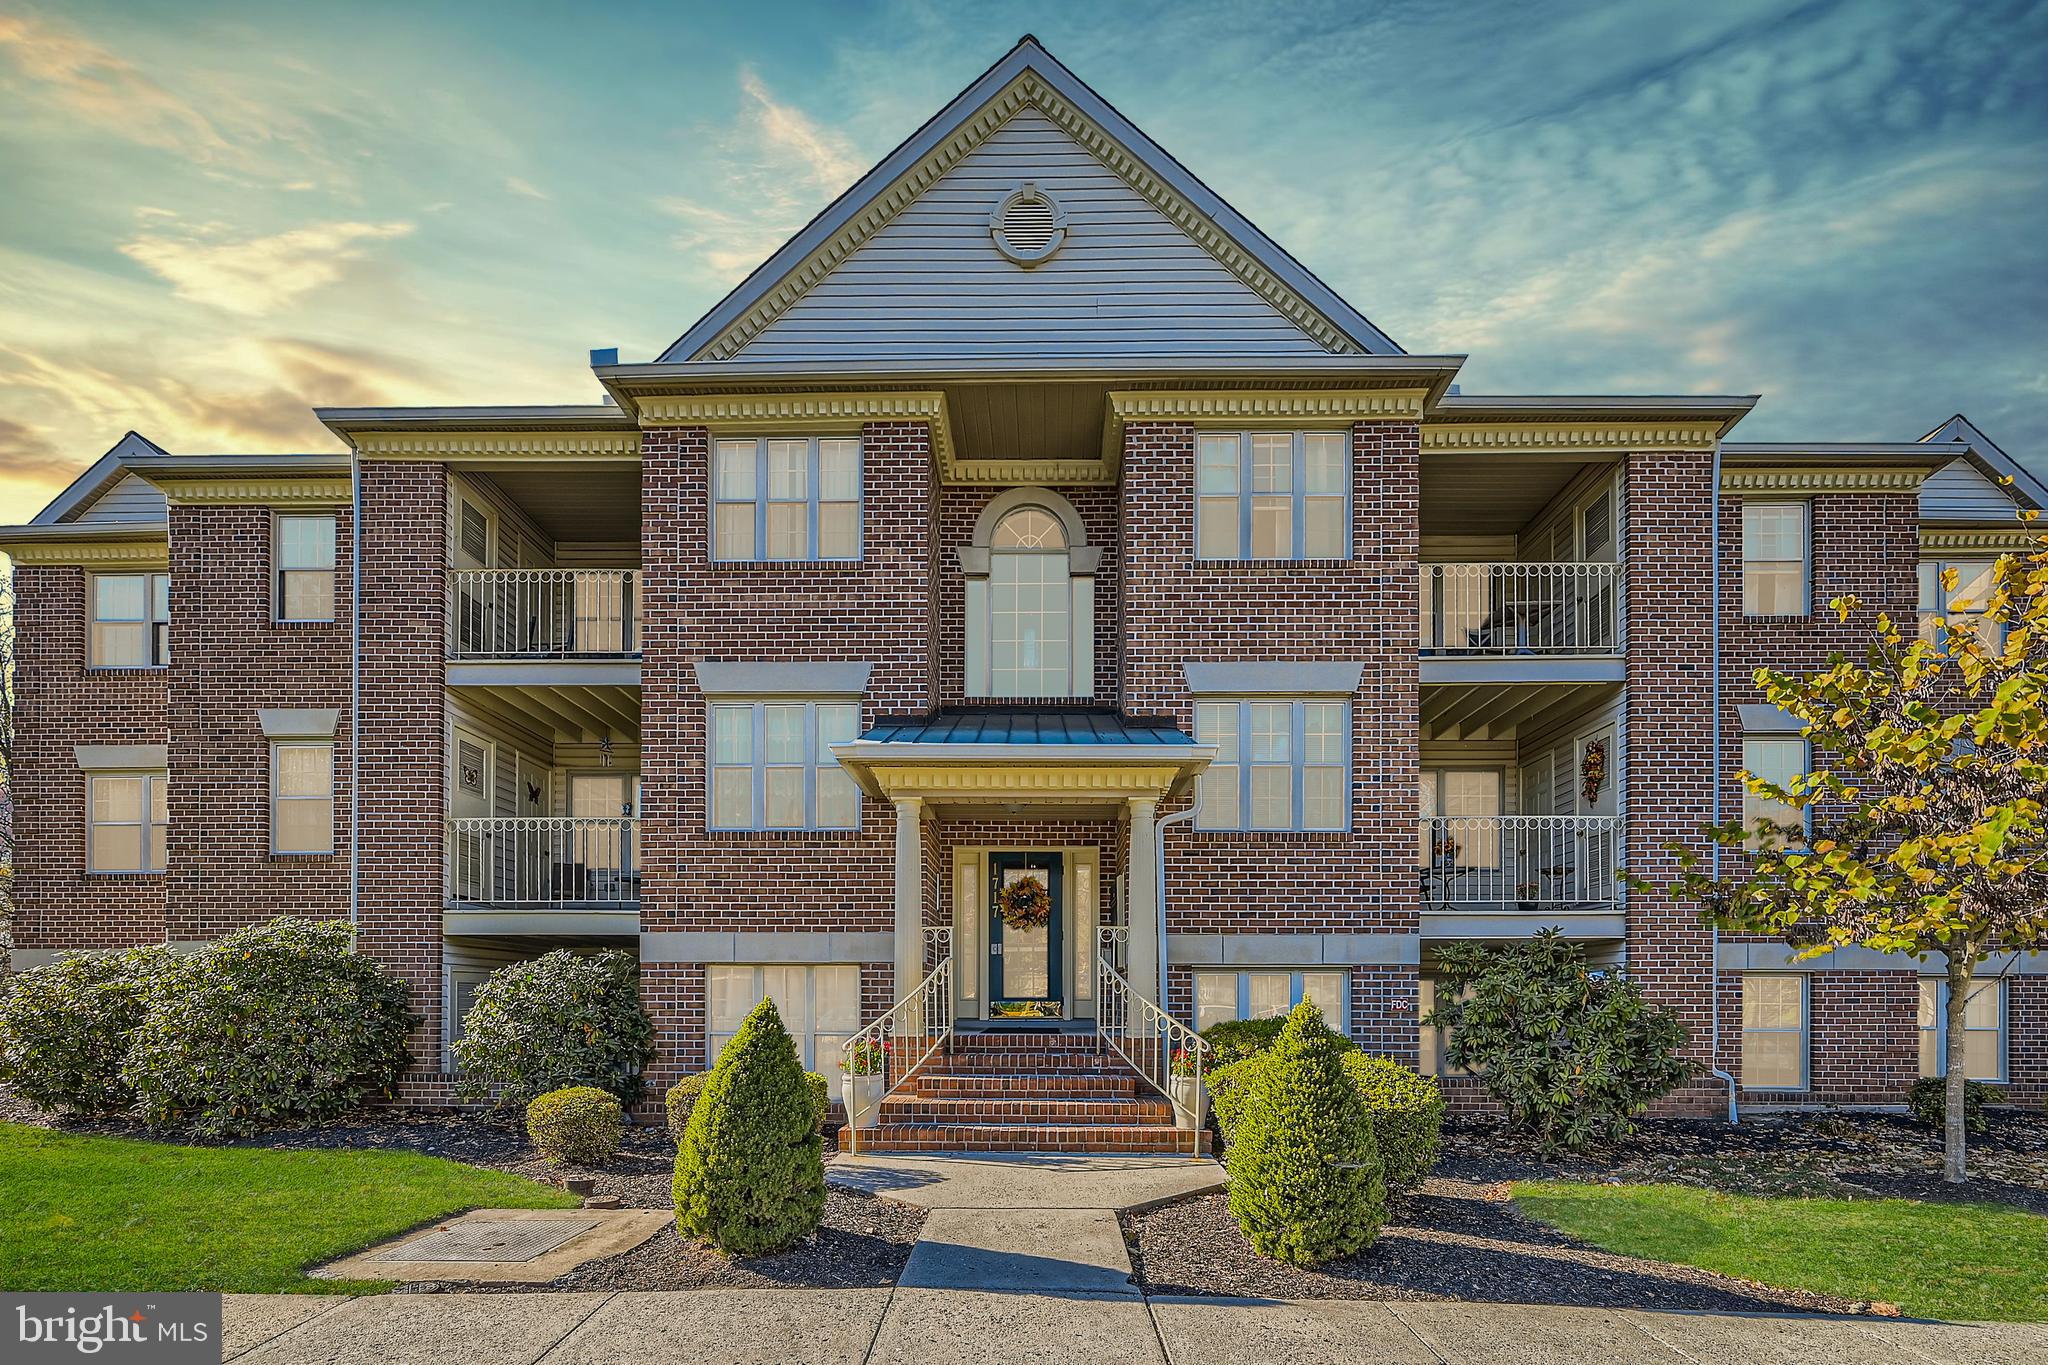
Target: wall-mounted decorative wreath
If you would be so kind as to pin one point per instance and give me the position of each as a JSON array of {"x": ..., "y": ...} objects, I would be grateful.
[
  {"x": 1024, "y": 904},
  {"x": 1593, "y": 770}
]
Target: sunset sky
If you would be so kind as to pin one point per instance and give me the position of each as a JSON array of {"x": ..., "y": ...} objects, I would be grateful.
[{"x": 216, "y": 215}]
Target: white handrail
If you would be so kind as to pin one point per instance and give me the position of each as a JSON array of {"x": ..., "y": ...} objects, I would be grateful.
[
  {"x": 1521, "y": 607},
  {"x": 1149, "y": 1040},
  {"x": 907, "y": 1035},
  {"x": 543, "y": 613},
  {"x": 1520, "y": 861}
]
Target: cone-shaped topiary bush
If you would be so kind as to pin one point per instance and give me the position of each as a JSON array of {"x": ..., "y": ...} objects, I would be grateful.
[
  {"x": 750, "y": 1175},
  {"x": 1305, "y": 1178}
]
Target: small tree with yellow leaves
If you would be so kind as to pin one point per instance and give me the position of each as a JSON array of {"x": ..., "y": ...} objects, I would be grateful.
[{"x": 1925, "y": 830}]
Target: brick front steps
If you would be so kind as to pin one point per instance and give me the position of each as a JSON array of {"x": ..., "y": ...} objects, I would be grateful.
[{"x": 1022, "y": 1091}]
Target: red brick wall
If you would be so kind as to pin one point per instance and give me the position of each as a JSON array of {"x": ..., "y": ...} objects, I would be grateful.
[
  {"x": 1669, "y": 759},
  {"x": 63, "y": 703},
  {"x": 876, "y": 610},
  {"x": 1176, "y": 610},
  {"x": 229, "y": 659},
  {"x": 1863, "y": 1038},
  {"x": 402, "y": 786}
]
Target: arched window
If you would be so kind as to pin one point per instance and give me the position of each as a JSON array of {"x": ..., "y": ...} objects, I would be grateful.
[{"x": 1030, "y": 600}]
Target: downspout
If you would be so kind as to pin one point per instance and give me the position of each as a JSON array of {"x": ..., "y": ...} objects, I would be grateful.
[
  {"x": 355, "y": 692},
  {"x": 1714, "y": 968},
  {"x": 1159, "y": 880}
]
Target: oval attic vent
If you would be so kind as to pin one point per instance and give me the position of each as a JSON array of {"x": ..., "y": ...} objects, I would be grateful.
[{"x": 1028, "y": 225}]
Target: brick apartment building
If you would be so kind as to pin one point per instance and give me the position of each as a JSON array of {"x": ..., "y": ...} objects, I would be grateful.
[{"x": 1026, "y": 494}]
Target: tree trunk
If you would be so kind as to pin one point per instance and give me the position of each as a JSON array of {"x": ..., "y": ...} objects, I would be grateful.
[{"x": 1955, "y": 1152}]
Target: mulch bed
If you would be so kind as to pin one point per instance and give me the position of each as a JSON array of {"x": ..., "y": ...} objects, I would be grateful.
[{"x": 1459, "y": 1237}]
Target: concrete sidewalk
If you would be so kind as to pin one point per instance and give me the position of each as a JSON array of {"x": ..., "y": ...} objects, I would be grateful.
[{"x": 933, "y": 1326}]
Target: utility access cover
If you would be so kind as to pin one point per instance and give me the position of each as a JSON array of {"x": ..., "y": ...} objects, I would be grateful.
[{"x": 481, "y": 1240}]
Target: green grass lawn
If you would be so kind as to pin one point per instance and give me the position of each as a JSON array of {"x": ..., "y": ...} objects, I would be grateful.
[
  {"x": 1957, "y": 1261},
  {"x": 93, "y": 1213}
]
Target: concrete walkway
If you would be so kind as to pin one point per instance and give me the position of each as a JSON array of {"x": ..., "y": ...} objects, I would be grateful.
[{"x": 936, "y": 1326}]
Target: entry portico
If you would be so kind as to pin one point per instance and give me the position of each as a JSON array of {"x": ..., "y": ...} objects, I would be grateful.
[{"x": 1042, "y": 772}]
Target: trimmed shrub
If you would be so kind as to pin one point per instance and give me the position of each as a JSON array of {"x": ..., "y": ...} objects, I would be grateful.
[
  {"x": 557, "y": 1020},
  {"x": 1575, "y": 1055},
  {"x": 579, "y": 1124},
  {"x": 1928, "y": 1099},
  {"x": 65, "y": 1028},
  {"x": 682, "y": 1098},
  {"x": 1306, "y": 1183},
  {"x": 1236, "y": 1039},
  {"x": 280, "y": 1023},
  {"x": 1406, "y": 1111},
  {"x": 750, "y": 1175}
]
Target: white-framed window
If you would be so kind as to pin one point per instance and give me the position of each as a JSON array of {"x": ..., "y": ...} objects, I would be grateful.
[
  {"x": 772, "y": 765},
  {"x": 1774, "y": 1031},
  {"x": 302, "y": 797},
  {"x": 1983, "y": 1022},
  {"x": 305, "y": 567},
  {"x": 1270, "y": 994},
  {"x": 1962, "y": 606},
  {"x": 1273, "y": 495},
  {"x": 1031, "y": 608},
  {"x": 1432, "y": 1042},
  {"x": 131, "y": 620},
  {"x": 1460, "y": 809},
  {"x": 786, "y": 498},
  {"x": 127, "y": 822},
  {"x": 820, "y": 1006},
  {"x": 1281, "y": 765},
  {"x": 1774, "y": 557},
  {"x": 1775, "y": 758}
]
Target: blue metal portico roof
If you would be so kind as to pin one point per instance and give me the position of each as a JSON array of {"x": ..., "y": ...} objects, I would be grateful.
[{"x": 1071, "y": 726}]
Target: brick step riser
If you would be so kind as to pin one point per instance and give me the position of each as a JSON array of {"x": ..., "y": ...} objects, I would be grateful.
[
  {"x": 1024, "y": 1087},
  {"x": 1045, "y": 1113},
  {"x": 1102, "y": 1140}
]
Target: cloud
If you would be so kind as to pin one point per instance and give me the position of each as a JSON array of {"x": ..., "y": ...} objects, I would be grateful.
[
  {"x": 95, "y": 84},
  {"x": 520, "y": 186},
  {"x": 256, "y": 275},
  {"x": 25, "y": 453},
  {"x": 777, "y": 166}
]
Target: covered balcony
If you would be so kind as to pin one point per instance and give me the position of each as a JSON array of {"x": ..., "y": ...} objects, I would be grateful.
[
  {"x": 543, "y": 614},
  {"x": 1526, "y": 608},
  {"x": 579, "y": 867},
  {"x": 1556, "y": 869}
]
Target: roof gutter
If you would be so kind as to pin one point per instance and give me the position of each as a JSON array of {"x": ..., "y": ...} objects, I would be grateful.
[{"x": 355, "y": 697}]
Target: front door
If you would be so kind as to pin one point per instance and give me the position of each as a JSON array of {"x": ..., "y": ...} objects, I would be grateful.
[{"x": 1024, "y": 961}]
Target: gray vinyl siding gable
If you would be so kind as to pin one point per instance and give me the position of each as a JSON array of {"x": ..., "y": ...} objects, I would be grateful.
[
  {"x": 130, "y": 499},
  {"x": 1959, "y": 491},
  {"x": 932, "y": 285}
]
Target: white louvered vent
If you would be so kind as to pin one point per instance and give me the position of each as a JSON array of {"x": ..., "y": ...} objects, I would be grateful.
[
  {"x": 475, "y": 535},
  {"x": 1028, "y": 225}
]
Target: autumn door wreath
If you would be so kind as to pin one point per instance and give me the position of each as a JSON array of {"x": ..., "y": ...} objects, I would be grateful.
[
  {"x": 1024, "y": 904},
  {"x": 1593, "y": 770}
]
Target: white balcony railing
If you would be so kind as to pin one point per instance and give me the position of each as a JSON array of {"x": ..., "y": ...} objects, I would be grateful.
[
  {"x": 542, "y": 861},
  {"x": 1521, "y": 608},
  {"x": 543, "y": 613},
  {"x": 1526, "y": 862}
]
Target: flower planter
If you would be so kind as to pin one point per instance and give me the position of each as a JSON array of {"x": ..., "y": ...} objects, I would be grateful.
[
  {"x": 1190, "y": 1100},
  {"x": 862, "y": 1096}
]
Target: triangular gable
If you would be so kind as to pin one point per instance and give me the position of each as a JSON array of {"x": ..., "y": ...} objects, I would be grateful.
[
  {"x": 106, "y": 488},
  {"x": 1986, "y": 494},
  {"x": 1154, "y": 264}
]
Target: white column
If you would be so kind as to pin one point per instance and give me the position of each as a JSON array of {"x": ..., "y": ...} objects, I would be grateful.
[
  {"x": 909, "y": 894},
  {"x": 1147, "y": 950}
]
